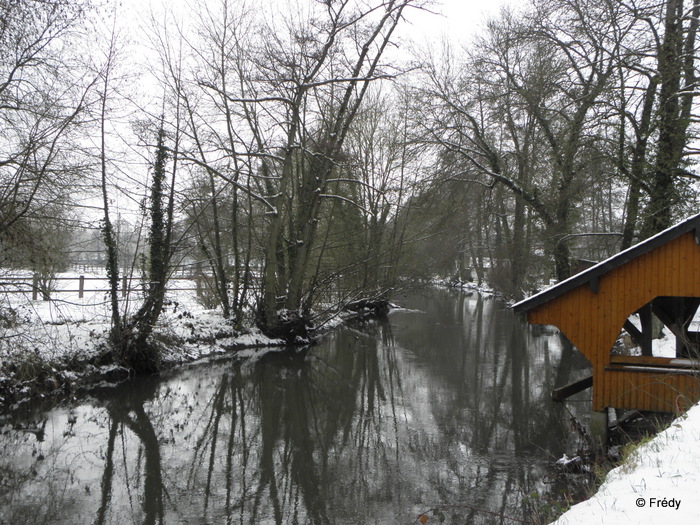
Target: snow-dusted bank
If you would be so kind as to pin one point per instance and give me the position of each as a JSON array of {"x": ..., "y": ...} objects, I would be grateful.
[
  {"x": 56, "y": 345},
  {"x": 658, "y": 483}
]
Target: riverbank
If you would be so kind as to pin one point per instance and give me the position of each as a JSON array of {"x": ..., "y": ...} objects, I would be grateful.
[
  {"x": 50, "y": 351},
  {"x": 60, "y": 347},
  {"x": 657, "y": 481}
]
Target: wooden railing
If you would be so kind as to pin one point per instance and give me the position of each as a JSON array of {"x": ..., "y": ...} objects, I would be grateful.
[{"x": 649, "y": 363}]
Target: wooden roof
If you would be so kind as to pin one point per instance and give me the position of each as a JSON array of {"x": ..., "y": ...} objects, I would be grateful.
[
  {"x": 591, "y": 275},
  {"x": 591, "y": 308}
]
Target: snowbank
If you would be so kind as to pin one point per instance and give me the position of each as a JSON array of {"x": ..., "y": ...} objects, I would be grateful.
[
  {"x": 53, "y": 345},
  {"x": 59, "y": 344},
  {"x": 658, "y": 482}
]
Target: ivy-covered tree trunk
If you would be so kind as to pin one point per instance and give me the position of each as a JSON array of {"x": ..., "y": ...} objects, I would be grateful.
[
  {"x": 676, "y": 68},
  {"x": 138, "y": 353},
  {"x": 108, "y": 235}
]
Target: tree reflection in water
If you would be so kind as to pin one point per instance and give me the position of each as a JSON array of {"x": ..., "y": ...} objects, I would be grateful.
[
  {"x": 128, "y": 412},
  {"x": 378, "y": 423}
]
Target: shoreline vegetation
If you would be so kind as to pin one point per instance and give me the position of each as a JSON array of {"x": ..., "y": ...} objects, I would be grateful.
[
  {"x": 587, "y": 472},
  {"x": 59, "y": 348}
]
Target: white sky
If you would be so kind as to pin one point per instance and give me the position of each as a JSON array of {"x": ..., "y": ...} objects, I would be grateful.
[{"x": 458, "y": 20}]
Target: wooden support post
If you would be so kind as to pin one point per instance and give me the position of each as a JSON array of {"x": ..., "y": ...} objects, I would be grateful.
[
  {"x": 81, "y": 286},
  {"x": 645, "y": 316},
  {"x": 599, "y": 430},
  {"x": 35, "y": 287},
  {"x": 124, "y": 286}
]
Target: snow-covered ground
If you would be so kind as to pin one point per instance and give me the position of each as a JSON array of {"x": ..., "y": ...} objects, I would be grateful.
[
  {"x": 68, "y": 323},
  {"x": 62, "y": 339},
  {"x": 658, "y": 482}
]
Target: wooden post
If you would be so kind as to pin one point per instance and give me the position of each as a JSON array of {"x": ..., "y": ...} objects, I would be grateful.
[
  {"x": 646, "y": 319},
  {"x": 198, "y": 278},
  {"x": 124, "y": 286},
  {"x": 599, "y": 430},
  {"x": 35, "y": 287},
  {"x": 81, "y": 286}
]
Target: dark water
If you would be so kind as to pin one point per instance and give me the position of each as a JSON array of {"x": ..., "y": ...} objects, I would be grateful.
[{"x": 443, "y": 406}]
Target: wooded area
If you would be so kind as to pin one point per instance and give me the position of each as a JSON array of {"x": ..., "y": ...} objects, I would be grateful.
[{"x": 308, "y": 155}]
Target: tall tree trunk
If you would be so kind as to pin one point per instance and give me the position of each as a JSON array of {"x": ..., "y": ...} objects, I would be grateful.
[
  {"x": 110, "y": 239},
  {"x": 219, "y": 262},
  {"x": 663, "y": 195}
]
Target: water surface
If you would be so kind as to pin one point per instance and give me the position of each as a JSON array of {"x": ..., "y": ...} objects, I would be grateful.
[{"x": 446, "y": 404}]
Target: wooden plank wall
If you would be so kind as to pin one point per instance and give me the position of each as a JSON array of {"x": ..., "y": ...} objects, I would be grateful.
[
  {"x": 649, "y": 390},
  {"x": 592, "y": 322}
]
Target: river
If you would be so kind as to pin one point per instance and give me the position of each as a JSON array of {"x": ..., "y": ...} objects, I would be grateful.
[{"x": 445, "y": 405}]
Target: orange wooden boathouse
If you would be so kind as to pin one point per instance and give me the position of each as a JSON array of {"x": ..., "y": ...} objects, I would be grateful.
[{"x": 655, "y": 280}]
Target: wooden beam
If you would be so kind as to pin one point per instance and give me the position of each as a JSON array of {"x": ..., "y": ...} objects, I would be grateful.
[
  {"x": 654, "y": 361},
  {"x": 634, "y": 332},
  {"x": 665, "y": 308},
  {"x": 560, "y": 394},
  {"x": 652, "y": 370}
]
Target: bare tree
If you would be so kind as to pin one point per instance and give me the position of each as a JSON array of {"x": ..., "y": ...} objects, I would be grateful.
[
  {"x": 269, "y": 113},
  {"x": 43, "y": 96},
  {"x": 528, "y": 112}
]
